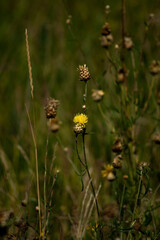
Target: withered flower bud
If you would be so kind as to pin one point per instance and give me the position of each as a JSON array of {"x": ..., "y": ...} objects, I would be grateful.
[
  {"x": 111, "y": 176},
  {"x": 54, "y": 124},
  {"x": 154, "y": 67},
  {"x": 125, "y": 177},
  {"x": 97, "y": 95},
  {"x": 142, "y": 165},
  {"x": 106, "y": 41},
  {"x": 68, "y": 21},
  {"x": 78, "y": 128},
  {"x": 107, "y": 9},
  {"x": 121, "y": 75},
  {"x": 117, "y": 162},
  {"x": 106, "y": 30},
  {"x": 84, "y": 73},
  {"x": 117, "y": 146},
  {"x": 51, "y": 108},
  {"x": 156, "y": 138},
  {"x": 128, "y": 43}
]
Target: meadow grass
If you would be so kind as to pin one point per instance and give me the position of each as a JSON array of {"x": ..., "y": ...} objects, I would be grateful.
[{"x": 87, "y": 168}]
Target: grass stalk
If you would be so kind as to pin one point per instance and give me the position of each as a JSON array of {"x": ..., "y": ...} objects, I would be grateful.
[{"x": 37, "y": 174}]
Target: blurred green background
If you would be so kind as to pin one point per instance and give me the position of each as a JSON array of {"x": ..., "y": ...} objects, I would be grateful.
[{"x": 56, "y": 50}]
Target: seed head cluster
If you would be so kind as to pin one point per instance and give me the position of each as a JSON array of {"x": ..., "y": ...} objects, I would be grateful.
[
  {"x": 51, "y": 108},
  {"x": 84, "y": 73}
]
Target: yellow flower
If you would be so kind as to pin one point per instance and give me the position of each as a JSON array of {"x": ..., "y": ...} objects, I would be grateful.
[
  {"x": 80, "y": 119},
  {"x": 107, "y": 169}
]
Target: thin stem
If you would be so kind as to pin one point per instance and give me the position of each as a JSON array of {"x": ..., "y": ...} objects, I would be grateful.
[
  {"x": 122, "y": 198},
  {"x": 138, "y": 193},
  {"x": 136, "y": 202},
  {"x": 45, "y": 180},
  {"x": 120, "y": 212},
  {"x": 37, "y": 175},
  {"x": 78, "y": 153},
  {"x": 92, "y": 186}
]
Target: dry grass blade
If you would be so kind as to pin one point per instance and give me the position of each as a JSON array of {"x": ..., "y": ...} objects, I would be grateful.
[
  {"x": 89, "y": 210},
  {"x": 29, "y": 62},
  {"x": 8, "y": 168}
]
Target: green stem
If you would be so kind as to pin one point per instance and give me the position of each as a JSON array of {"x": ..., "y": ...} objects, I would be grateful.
[
  {"x": 45, "y": 180},
  {"x": 138, "y": 193},
  {"x": 92, "y": 186}
]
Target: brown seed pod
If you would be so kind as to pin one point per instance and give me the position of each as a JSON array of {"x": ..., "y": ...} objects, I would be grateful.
[
  {"x": 156, "y": 138},
  {"x": 117, "y": 162},
  {"x": 154, "y": 67},
  {"x": 128, "y": 43},
  {"x": 125, "y": 177},
  {"x": 106, "y": 29},
  {"x": 51, "y": 108},
  {"x": 54, "y": 124},
  {"x": 84, "y": 73},
  {"x": 122, "y": 73},
  {"x": 79, "y": 128},
  {"x": 111, "y": 176},
  {"x": 117, "y": 146},
  {"x": 97, "y": 95}
]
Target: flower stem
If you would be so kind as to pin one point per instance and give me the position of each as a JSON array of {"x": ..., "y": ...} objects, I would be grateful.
[{"x": 92, "y": 186}]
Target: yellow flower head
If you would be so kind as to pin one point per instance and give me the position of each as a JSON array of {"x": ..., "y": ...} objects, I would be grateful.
[
  {"x": 107, "y": 169},
  {"x": 80, "y": 119}
]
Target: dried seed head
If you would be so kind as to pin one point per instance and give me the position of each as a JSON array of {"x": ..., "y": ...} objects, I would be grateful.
[
  {"x": 79, "y": 128},
  {"x": 111, "y": 177},
  {"x": 106, "y": 41},
  {"x": 125, "y": 177},
  {"x": 117, "y": 146},
  {"x": 37, "y": 208},
  {"x": 107, "y": 9},
  {"x": 128, "y": 43},
  {"x": 24, "y": 203},
  {"x": 51, "y": 108},
  {"x": 116, "y": 46},
  {"x": 154, "y": 67},
  {"x": 54, "y": 124},
  {"x": 84, "y": 107},
  {"x": 122, "y": 73},
  {"x": 84, "y": 73},
  {"x": 106, "y": 30},
  {"x": 117, "y": 162},
  {"x": 97, "y": 95},
  {"x": 156, "y": 138},
  {"x": 142, "y": 165},
  {"x": 68, "y": 21}
]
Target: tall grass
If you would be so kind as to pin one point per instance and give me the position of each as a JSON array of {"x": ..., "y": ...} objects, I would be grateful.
[{"x": 96, "y": 179}]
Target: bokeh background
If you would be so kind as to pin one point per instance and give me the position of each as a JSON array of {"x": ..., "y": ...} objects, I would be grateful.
[{"x": 56, "y": 50}]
